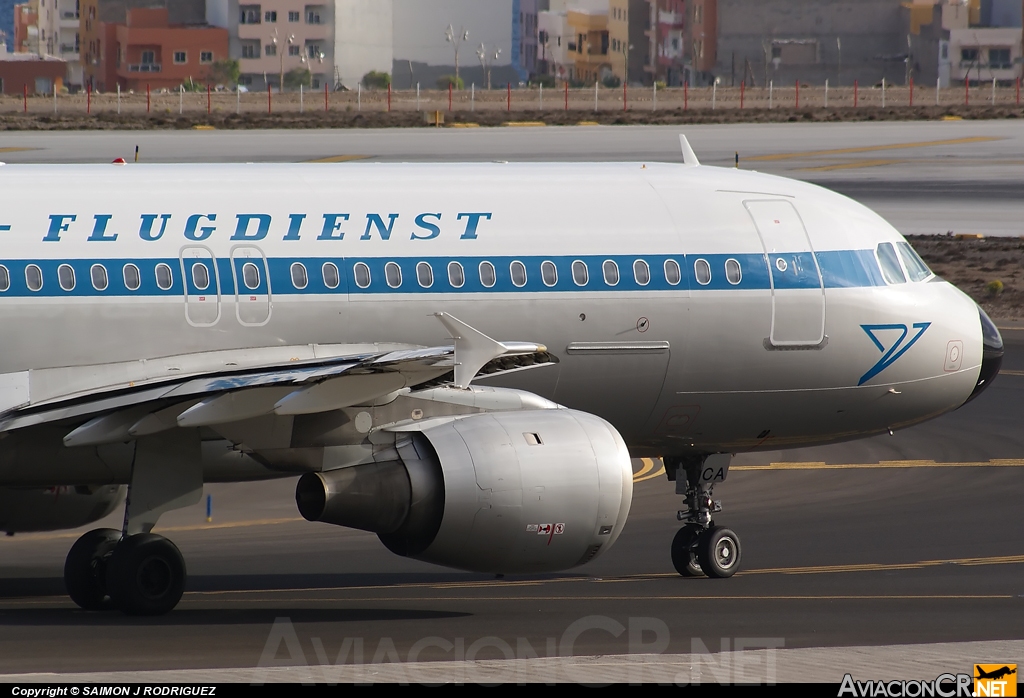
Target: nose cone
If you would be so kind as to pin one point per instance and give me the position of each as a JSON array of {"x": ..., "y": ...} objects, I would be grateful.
[{"x": 992, "y": 355}]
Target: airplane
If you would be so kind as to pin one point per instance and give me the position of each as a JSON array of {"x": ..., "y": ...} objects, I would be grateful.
[
  {"x": 167, "y": 326},
  {"x": 994, "y": 674}
]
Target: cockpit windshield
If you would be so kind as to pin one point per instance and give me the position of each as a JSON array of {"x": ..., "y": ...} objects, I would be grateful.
[{"x": 916, "y": 267}]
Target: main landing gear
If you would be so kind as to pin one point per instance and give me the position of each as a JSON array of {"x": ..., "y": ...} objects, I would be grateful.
[
  {"x": 141, "y": 575},
  {"x": 700, "y": 547},
  {"x": 133, "y": 570}
]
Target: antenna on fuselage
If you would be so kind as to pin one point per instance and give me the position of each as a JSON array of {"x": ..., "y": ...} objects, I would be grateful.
[{"x": 689, "y": 158}]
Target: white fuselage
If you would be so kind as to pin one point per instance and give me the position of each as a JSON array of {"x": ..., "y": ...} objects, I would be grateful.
[{"x": 695, "y": 308}]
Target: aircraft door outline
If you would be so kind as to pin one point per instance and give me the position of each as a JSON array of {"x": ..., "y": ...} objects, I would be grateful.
[
  {"x": 201, "y": 284},
  {"x": 251, "y": 276},
  {"x": 798, "y": 291}
]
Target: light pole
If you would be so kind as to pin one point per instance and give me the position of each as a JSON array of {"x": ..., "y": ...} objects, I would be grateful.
[
  {"x": 308, "y": 64},
  {"x": 483, "y": 56},
  {"x": 278, "y": 49},
  {"x": 455, "y": 40},
  {"x": 839, "y": 66}
]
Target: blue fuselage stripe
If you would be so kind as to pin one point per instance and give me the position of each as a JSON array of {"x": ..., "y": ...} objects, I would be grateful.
[{"x": 798, "y": 270}]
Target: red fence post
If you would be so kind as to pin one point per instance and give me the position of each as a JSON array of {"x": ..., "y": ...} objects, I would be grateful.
[
  {"x": 449, "y": 95},
  {"x": 268, "y": 99},
  {"x": 743, "y": 87},
  {"x": 686, "y": 95},
  {"x": 508, "y": 96},
  {"x": 209, "y": 103},
  {"x": 855, "y": 93},
  {"x": 567, "y": 95},
  {"x": 911, "y": 90},
  {"x": 389, "y": 96},
  {"x": 326, "y": 108},
  {"x": 147, "y": 97},
  {"x": 797, "y": 94},
  {"x": 24, "y": 96}
]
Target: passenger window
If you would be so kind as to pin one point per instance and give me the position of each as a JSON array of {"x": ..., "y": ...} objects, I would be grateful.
[
  {"x": 33, "y": 277},
  {"x": 916, "y": 267},
  {"x": 251, "y": 276},
  {"x": 98, "y": 272},
  {"x": 548, "y": 273},
  {"x": 641, "y": 272},
  {"x": 518, "y": 270},
  {"x": 424, "y": 275},
  {"x": 890, "y": 264},
  {"x": 330, "y": 274},
  {"x": 580, "y": 274},
  {"x": 393, "y": 274},
  {"x": 456, "y": 275},
  {"x": 132, "y": 278},
  {"x": 300, "y": 279},
  {"x": 487, "y": 275},
  {"x": 611, "y": 272},
  {"x": 200, "y": 276},
  {"x": 362, "y": 275},
  {"x": 5, "y": 278},
  {"x": 733, "y": 272},
  {"x": 164, "y": 280},
  {"x": 702, "y": 271},
  {"x": 66, "y": 277},
  {"x": 673, "y": 275}
]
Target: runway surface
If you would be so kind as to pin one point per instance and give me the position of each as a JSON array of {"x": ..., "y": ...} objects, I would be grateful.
[
  {"x": 907, "y": 540},
  {"x": 924, "y": 177},
  {"x": 863, "y": 544}
]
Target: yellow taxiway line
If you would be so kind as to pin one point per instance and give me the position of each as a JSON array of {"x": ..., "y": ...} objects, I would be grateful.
[
  {"x": 872, "y": 148},
  {"x": 852, "y": 165}
]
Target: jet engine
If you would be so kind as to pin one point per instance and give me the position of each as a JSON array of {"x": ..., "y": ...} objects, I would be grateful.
[
  {"x": 501, "y": 492},
  {"x": 54, "y": 508}
]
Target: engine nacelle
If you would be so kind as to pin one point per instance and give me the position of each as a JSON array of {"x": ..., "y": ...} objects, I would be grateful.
[
  {"x": 54, "y": 508},
  {"x": 504, "y": 492}
]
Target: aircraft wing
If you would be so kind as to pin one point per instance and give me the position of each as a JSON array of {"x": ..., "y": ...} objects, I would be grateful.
[{"x": 107, "y": 403}]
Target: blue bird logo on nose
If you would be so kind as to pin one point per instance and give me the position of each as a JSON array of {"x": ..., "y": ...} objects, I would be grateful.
[{"x": 895, "y": 350}]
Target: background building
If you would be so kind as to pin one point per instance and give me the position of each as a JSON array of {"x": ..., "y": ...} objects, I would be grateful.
[
  {"x": 37, "y": 74},
  {"x": 847, "y": 40},
  {"x": 26, "y": 28},
  {"x": 97, "y": 21},
  {"x": 422, "y": 55},
  {"x": 162, "y": 43},
  {"x": 271, "y": 38},
  {"x": 363, "y": 40}
]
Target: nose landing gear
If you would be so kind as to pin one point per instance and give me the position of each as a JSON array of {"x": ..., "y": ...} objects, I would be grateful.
[{"x": 701, "y": 547}]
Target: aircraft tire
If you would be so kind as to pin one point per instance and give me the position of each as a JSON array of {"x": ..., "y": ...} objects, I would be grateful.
[
  {"x": 684, "y": 553},
  {"x": 718, "y": 552},
  {"x": 85, "y": 568},
  {"x": 146, "y": 575}
]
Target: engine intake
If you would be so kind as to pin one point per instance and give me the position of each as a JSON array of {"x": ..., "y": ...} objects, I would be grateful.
[{"x": 524, "y": 491}]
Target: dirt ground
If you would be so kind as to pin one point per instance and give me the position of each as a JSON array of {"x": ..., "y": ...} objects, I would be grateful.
[
  {"x": 109, "y": 120},
  {"x": 973, "y": 264}
]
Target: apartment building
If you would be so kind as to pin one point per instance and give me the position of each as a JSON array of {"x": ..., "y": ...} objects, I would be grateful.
[
  {"x": 58, "y": 34},
  {"x": 98, "y": 21},
  {"x": 273, "y": 38}
]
